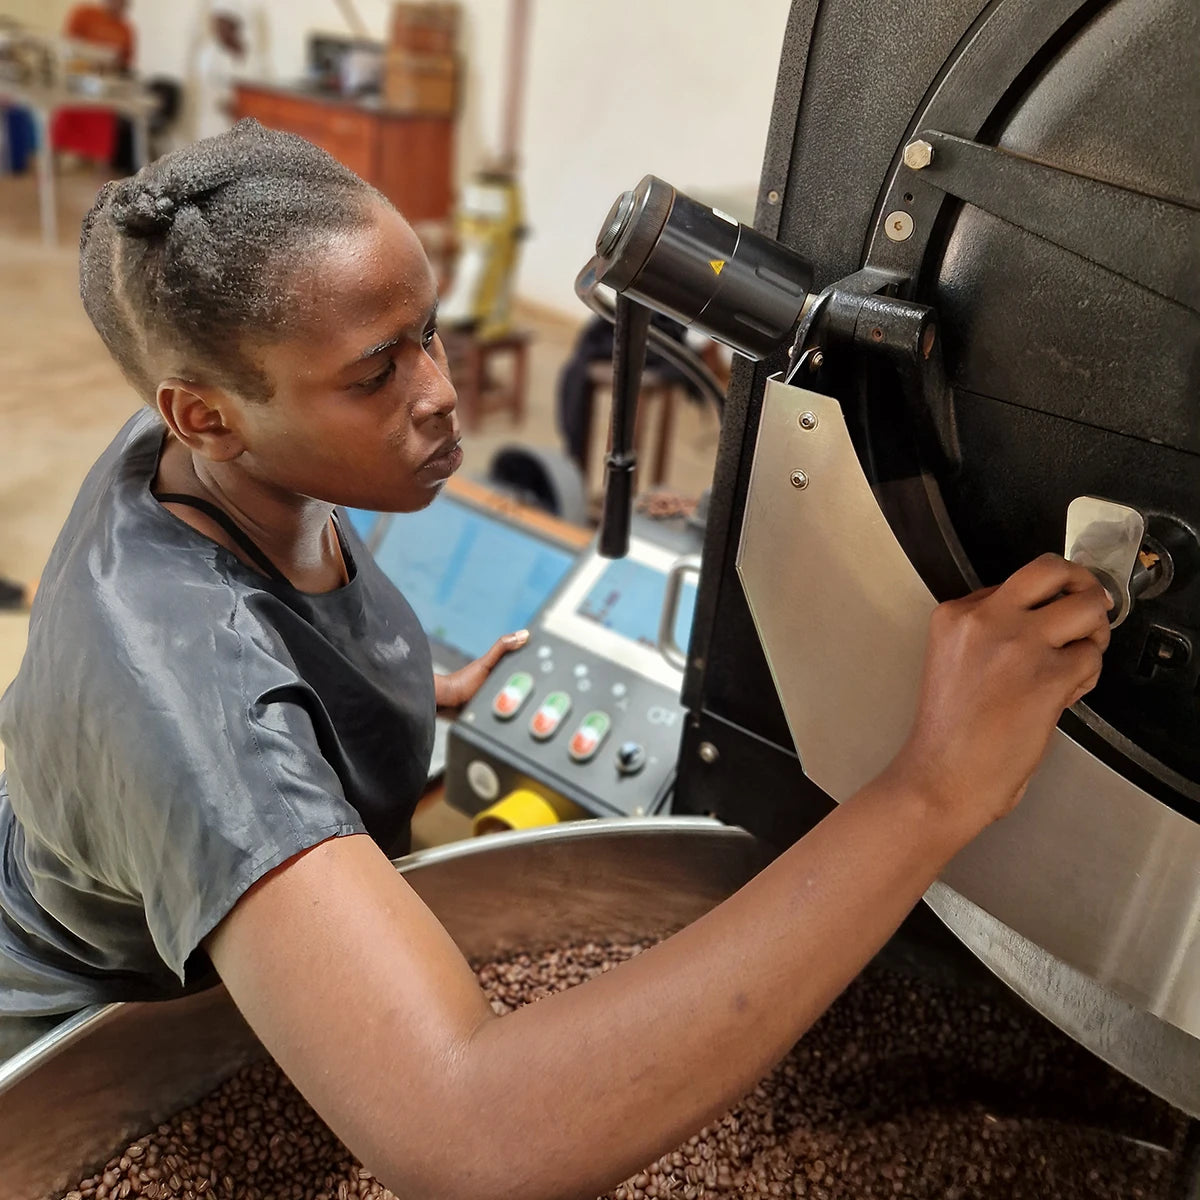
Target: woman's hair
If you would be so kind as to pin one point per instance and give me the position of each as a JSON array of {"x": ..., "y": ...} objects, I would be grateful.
[{"x": 190, "y": 260}]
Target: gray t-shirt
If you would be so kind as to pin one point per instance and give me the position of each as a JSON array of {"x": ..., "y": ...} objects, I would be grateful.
[{"x": 180, "y": 726}]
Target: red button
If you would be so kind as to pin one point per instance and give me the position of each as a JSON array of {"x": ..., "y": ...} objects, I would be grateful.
[
  {"x": 506, "y": 704},
  {"x": 543, "y": 724},
  {"x": 584, "y": 744}
]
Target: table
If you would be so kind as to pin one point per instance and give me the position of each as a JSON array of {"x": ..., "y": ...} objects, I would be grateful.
[
  {"x": 43, "y": 102},
  {"x": 409, "y": 157},
  {"x": 654, "y": 388},
  {"x": 470, "y": 360}
]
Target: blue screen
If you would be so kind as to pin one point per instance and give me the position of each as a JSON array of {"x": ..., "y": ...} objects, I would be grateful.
[
  {"x": 362, "y": 521},
  {"x": 470, "y": 578},
  {"x": 628, "y": 599}
]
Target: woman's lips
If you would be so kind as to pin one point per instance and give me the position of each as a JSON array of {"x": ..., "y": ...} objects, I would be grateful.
[{"x": 443, "y": 464}]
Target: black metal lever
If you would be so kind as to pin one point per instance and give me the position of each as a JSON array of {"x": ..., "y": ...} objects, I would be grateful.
[
  {"x": 630, "y": 332},
  {"x": 1135, "y": 235}
]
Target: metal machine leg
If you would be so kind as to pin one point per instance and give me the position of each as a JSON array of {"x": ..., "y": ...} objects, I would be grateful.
[
  {"x": 141, "y": 142},
  {"x": 46, "y": 187}
]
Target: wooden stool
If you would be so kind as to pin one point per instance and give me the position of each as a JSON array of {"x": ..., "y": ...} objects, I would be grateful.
[
  {"x": 479, "y": 393},
  {"x": 654, "y": 387}
]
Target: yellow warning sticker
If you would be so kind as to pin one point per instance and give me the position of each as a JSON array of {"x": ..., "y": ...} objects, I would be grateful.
[{"x": 717, "y": 264}]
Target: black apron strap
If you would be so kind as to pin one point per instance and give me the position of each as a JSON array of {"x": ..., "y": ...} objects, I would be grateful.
[{"x": 227, "y": 523}]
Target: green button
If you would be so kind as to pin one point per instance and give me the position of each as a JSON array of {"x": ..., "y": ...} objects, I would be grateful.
[
  {"x": 512, "y": 696},
  {"x": 549, "y": 715},
  {"x": 520, "y": 682},
  {"x": 598, "y": 723},
  {"x": 587, "y": 738}
]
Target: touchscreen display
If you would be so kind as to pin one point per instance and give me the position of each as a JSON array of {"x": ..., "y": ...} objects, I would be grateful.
[
  {"x": 628, "y": 599},
  {"x": 470, "y": 578}
]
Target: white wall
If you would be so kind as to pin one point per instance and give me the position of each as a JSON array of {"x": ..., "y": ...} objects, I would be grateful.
[
  {"x": 45, "y": 16},
  {"x": 677, "y": 88},
  {"x": 615, "y": 89}
]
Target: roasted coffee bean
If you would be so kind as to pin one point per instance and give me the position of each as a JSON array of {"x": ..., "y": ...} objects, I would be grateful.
[{"x": 904, "y": 1090}]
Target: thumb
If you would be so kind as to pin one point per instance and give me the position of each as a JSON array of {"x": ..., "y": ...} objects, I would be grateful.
[
  {"x": 457, "y": 689},
  {"x": 502, "y": 646}
]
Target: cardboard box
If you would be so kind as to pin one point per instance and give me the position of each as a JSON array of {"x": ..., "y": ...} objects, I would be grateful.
[
  {"x": 425, "y": 28},
  {"x": 421, "y": 83}
]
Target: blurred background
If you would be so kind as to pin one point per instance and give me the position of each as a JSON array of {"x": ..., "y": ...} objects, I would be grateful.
[{"x": 503, "y": 129}]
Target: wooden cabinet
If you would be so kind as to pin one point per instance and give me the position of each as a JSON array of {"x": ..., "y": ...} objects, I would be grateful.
[{"x": 409, "y": 158}]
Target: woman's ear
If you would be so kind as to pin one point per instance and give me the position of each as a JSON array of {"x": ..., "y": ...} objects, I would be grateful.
[{"x": 198, "y": 415}]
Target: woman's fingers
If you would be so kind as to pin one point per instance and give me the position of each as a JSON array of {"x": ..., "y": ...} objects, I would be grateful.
[
  {"x": 1044, "y": 579},
  {"x": 1076, "y": 616},
  {"x": 1086, "y": 660}
]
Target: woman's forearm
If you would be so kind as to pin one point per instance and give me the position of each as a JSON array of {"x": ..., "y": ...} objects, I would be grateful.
[{"x": 589, "y": 1085}]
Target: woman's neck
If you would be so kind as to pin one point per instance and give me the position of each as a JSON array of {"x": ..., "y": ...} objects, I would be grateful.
[{"x": 294, "y": 532}]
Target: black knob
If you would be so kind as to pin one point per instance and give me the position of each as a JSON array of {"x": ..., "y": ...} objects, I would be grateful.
[
  {"x": 631, "y": 758},
  {"x": 614, "y": 224}
]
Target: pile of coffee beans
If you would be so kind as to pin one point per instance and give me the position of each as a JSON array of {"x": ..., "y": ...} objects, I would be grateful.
[{"x": 906, "y": 1088}]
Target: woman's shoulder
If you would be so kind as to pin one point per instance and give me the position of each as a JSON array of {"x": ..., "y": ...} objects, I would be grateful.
[
  {"x": 117, "y": 536},
  {"x": 127, "y": 579}
]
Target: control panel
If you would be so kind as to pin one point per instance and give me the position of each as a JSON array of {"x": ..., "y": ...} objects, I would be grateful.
[{"x": 586, "y": 714}]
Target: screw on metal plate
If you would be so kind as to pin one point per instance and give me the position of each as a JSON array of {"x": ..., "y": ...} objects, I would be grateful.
[
  {"x": 799, "y": 480},
  {"x": 808, "y": 420},
  {"x": 708, "y": 753},
  {"x": 918, "y": 154},
  {"x": 817, "y": 361},
  {"x": 898, "y": 225}
]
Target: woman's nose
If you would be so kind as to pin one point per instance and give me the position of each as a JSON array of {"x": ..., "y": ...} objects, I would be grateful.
[{"x": 437, "y": 397}]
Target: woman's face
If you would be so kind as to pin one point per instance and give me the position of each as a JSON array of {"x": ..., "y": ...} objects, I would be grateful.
[{"x": 363, "y": 408}]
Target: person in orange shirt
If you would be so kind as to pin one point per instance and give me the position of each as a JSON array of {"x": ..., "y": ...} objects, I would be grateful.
[
  {"x": 104, "y": 25},
  {"x": 90, "y": 132}
]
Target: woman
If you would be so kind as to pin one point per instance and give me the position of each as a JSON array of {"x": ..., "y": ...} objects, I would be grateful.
[
  {"x": 221, "y": 724},
  {"x": 222, "y": 58}
]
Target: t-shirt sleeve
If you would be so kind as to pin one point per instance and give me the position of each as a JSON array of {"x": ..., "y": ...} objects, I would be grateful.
[{"x": 226, "y": 781}]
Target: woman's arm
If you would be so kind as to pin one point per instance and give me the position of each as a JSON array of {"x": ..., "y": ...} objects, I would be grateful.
[{"x": 364, "y": 1000}]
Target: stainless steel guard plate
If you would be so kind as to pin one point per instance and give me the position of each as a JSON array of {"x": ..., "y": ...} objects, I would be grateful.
[{"x": 1097, "y": 882}]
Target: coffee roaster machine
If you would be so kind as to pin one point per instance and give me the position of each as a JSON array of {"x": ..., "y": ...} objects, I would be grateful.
[{"x": 968, "y": 316}]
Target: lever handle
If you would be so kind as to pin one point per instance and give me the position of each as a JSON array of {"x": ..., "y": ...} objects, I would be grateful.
[
  {"x": 630, "y": 332},
  {"x": 1107, "y": 538},
  {"x": 668, "y": 647}
]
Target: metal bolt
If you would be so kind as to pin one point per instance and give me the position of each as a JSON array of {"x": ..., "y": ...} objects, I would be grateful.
[
  {"x": 709, "y": 753},
  {"x": 772, "y": 197},
  {"x": 898, "y": 225},
  {"x": 817, "y": 361},
  {"x": 799, "y": 480},
  {"x": 808, "y": 420},
  {"x": 918, "y": 155}
]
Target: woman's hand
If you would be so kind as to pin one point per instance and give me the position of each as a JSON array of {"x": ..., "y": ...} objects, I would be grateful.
[
  {"x": 1001, "y": 666},
  {"x": 455, "y": 690}
]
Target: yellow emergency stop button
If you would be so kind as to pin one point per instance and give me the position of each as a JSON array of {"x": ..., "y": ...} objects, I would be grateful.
[{"x": 522, "y": 809}]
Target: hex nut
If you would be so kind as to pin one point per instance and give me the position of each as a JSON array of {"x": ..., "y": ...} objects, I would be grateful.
[{"x": 918, "y": 154}]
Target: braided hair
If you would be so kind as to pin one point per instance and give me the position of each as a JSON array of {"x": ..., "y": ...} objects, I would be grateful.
[{"x": 185, "y": 264}]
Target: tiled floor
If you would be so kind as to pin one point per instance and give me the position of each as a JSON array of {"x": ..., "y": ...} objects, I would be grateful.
[{"x": 62, "y": 398}]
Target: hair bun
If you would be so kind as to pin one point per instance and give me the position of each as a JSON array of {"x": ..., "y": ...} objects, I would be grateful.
[{"x": 141, "y": 212}]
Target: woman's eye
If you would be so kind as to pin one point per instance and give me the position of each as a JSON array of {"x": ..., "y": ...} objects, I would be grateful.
[
  {"x": 377, "y": 381},
  {"x": 428, "y": 336}
]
